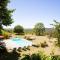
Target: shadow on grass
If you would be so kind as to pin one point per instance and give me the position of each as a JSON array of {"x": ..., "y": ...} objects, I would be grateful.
[
  {"x": 4, "y": 55},
  {"x": 32, "y": 57},
  {"x": 40, "y": 56}
]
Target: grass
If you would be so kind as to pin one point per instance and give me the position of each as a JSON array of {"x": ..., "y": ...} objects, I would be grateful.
[
  {"x": 51, "y": 52},
  {"x": 42, "y": 43}
]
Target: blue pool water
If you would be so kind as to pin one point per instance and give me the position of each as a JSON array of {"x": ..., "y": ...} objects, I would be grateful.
[
  {"x": 21, "y": 42},
  {"x": 17, "y": 42}
]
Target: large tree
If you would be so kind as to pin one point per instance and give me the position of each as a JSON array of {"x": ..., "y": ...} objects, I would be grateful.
[
  {"x": 39, "y": 29},
  {"x": 5, "y": 14}
]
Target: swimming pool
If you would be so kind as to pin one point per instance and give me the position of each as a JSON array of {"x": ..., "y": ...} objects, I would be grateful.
[{"x": 17, "y": 42}]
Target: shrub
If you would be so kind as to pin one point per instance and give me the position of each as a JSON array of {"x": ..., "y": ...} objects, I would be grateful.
[
  {"x": 32, "y": 57},
  {"x": 56, "y": 57},
  {"x": 35, "y": 56},
  {"x": 5, "y": 34},
  {"x": 19, "y": 30},
  {"x": 40, "y": 56},
  {"x": 44, "y": 44},
  {"x": 26, "y": 57}
]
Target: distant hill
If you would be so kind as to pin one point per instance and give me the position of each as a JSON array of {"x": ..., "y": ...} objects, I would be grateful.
[
  {"x": 31, "y": 30},
  {"x": 48, "y": 29},
  {"x": 28, "y": 31}
]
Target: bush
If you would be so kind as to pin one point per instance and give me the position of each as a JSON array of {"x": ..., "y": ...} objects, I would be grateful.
[
  {"x": 5, "y": 34},
  {"x": 35, "y": 56},
  {"x": 19, "y": 30},
  {"x": 32, "y": 57},
  {"x": 44, "y": 44},
  {"x": 56, "y": 57},
  {"x": 40, "y": 56}
]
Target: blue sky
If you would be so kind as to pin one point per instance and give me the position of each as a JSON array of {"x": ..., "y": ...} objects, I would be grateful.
[{"x": 30, "y": 12}]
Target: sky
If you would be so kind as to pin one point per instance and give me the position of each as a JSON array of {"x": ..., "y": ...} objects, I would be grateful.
[{"x": 30, "y": 12}]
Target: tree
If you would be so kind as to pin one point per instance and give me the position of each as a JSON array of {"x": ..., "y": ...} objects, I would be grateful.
[
  {"x": 39, "y": 29},
  {"x": 19, "y": 29},
  {"x": 57, "y": 30},
  {"x": 5, "y": 14}
]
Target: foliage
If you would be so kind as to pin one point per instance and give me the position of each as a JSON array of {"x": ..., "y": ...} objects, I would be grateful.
[
  {"x": 5, "y": 13},
  {"x": 32, "y": 57},
  {"x": 40, "y": 56},
  {"x": 5, "y": 34},
  {"x": 35, "y": 56},
  {"x": 39, "y": 29},
  {"x": 51, "y": 33},
  {"x": 19, "y": 29},
  {"x": 26, "y": 57},
  {"x": 57, "y": 30},
  {"x": 14, "y": 55},
  {"x": 10, "y": 30},
  {"x": 56, "y": 57},
  {"x": 0, "y": 32}
]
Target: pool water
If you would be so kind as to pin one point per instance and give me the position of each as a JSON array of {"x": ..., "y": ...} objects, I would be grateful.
[
  {"x": 21, "y": 42},
  {"x": 17, "y": 42}
]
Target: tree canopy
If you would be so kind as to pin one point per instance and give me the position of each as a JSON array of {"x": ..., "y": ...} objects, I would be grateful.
[
  {"x": 19, "y": 29},
  {"x": 57, "y": 30},
  {"x": 5, "y": 13},
  {"x": 39, "y": 29}
]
